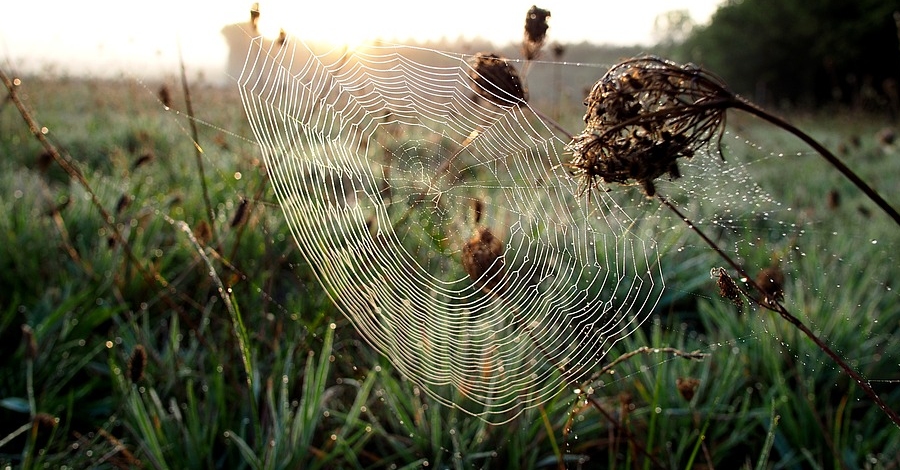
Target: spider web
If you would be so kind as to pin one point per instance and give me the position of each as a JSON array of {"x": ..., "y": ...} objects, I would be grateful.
[{"x": 386, "y": 165}]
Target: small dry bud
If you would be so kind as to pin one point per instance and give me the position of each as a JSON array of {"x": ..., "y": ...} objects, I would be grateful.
[
  {"x": 137, "y": 362},
  {"x": 165, "y": 96},
  {"x": 687, "y": 387},
  {"x": 482, "y": 258},
  {"x": 771, "y": 281},
  {"x": 123, "y": 202},
  {"x": 496, "y": 80},
  {"x": 31, "y": 348},
  {"x": 727, "y": 287},
  {"x": 477, "y": 210},
  {"x": 142, "y": 160},
  {"x": 240, "y": 216}
]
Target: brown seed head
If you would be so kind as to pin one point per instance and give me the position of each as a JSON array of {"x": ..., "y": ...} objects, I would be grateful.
[
  {"x": 644, "y": 115},
  {"x": 496, "y": 80},
  {"x": 482, "y": 258},
  {"x": 727, "y": 288},
  {"x": 137, "y": 362},
  {"x": 202, "y": 232},
  {"x": 535, "y": 31},
  {"x": 771, "y": 281},
  {"x": 31, "y": 348},
  {"x": 165, "y": 96},
  {"x": 687, "y": 387}
]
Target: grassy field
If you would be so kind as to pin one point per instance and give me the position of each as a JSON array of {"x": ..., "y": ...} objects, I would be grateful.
[{"x": 162, "y": 337}]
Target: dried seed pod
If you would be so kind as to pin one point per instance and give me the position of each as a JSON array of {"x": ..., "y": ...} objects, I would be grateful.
[
  {"x": 643, "y": 115},
  {"x": 771, "y": 281},
  {"x": 496, "y": 80},
  {"x": 31, "y": 348},
  {"x": 727, "y": 287},
  {"x": 240, "y": 216},
  {"x": 165, "y": 96},
  {"x": 137, "y": 362},
  {"x": 477, "y": 210},
  {"x": 535, "y": 31},
  {"x": 687, "y": 387},
  {"x": 482, "y": 258}
]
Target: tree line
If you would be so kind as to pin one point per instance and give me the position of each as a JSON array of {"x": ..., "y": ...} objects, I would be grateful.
[{"x": 802, "y": 53}]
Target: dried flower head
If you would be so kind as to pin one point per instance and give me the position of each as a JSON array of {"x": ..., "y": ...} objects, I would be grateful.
[
  {"x": 771, "y": 281},
  {"x": 727, "y": 287},
  {"x": 645, "y": 114},
  {"x": 137, "y": 362},
  {"x": 535, "y": 31},
  {"x": 482, "y": 258},
  {"x": 687, "y": 387},
  {"x": 496, "y": 80}
]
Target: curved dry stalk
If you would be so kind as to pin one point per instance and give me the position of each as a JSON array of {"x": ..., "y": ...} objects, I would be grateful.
[{"x": 776, "y": 306}]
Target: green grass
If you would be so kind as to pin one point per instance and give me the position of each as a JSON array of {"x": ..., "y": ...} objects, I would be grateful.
[{"x": 250, "y": 365}]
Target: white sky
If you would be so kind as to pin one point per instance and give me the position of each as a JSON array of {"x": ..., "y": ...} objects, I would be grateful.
[{"x": 120, "y": 35}]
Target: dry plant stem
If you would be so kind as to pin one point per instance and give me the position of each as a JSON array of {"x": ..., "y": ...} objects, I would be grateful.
[
  {"x": 776, "y": 307},
  {"x": 748, "y": 107},
  {"x": 151, "y": 277},
  {"x": 198, "y": 151}
]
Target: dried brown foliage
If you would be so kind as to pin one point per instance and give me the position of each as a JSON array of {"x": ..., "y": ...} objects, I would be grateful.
[
  {"x": 645, "y": 114},
  {"x": 482, "y": 258}
]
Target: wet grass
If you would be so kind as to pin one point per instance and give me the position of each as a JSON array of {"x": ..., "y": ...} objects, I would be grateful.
[{"x": 250, "y": 366}]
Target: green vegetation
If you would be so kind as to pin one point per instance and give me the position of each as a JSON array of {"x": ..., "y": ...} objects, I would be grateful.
[{"x": 248, "y": 364}]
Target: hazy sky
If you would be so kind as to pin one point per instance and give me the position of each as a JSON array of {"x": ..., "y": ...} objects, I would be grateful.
[{"x": 122, "y": 35}]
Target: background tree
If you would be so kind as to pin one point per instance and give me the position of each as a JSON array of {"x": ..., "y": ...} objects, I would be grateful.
[{"x": 798, "y": 52}]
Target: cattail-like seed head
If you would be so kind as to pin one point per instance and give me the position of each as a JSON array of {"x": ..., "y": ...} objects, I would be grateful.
[
  {"x": 240, "y": 216},
  {"x": 687, "y": 387},
  {"x": 477, "y": 210},
  {"x": 727, "y": 288},
  {"x": 31, "y": 347},
  {"x": 496, "y": 80},
  {"x": 147, "y": 157},
  {"x": 164, "y": 95},
  {"x": 643, "y": 115},
  {"x": 535, "y": 31},
  {"x": 137, "y": 362},
  {"x": 482, "y": 259}
]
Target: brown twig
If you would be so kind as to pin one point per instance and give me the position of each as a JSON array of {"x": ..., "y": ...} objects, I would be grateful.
[{"x": 775, "y": 306}]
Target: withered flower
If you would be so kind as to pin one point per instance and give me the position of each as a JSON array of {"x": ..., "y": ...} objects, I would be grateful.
[
  {"x": 535, "y": 31},
  {"x": 643, "y": 115},
  {"x": 31, "y": 347},
  {"x": 496, "y": 80},
  {"x": 482, "y": 258}
]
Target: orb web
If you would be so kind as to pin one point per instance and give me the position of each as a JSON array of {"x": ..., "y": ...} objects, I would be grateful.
[{"x": 388, "y": 167}]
